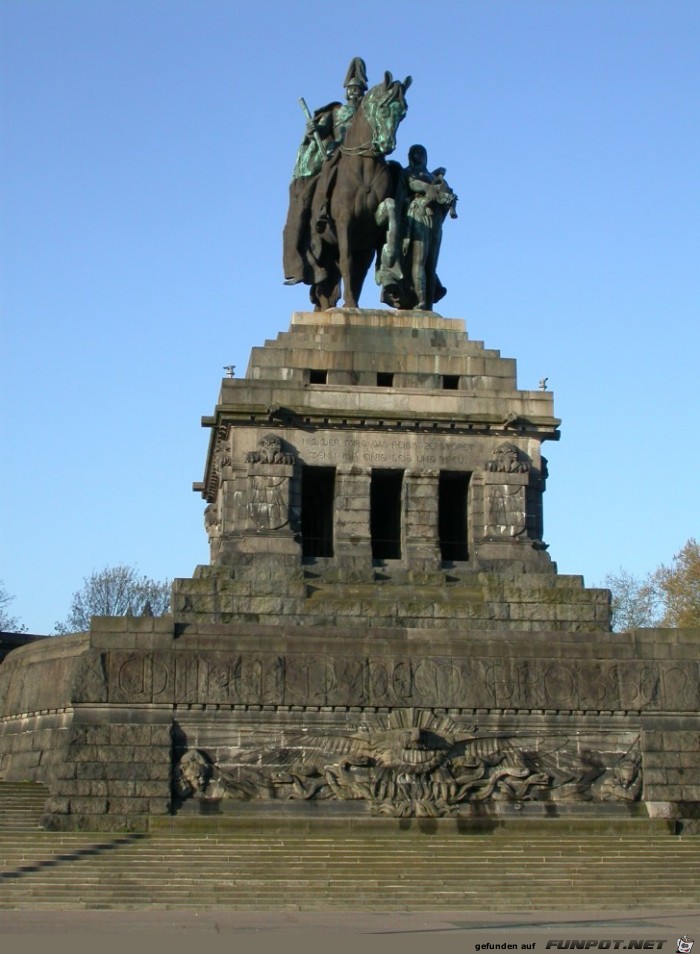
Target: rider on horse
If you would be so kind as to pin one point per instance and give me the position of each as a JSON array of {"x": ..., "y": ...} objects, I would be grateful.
[{"x": 315, "y": 169}]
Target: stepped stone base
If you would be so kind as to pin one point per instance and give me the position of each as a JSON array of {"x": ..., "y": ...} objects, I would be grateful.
[
  {"x": 323, "y": 722},
  {"x": 379, "y": 469},
  {"x": 381, "y": 634},
  {"x": 320, "y": 594},
  {"x": 418, "y": 864}
]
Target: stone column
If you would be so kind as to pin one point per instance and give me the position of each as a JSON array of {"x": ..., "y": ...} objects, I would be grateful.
[
  {"x": 420, "y": 531},
  {"x": 353, "y": 542}
]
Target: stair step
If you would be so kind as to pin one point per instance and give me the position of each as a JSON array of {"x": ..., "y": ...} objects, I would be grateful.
[{"x": 248, "y": 867}]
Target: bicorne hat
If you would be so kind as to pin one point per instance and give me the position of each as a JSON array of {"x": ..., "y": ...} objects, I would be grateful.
[{"x": 356, "y": 74}]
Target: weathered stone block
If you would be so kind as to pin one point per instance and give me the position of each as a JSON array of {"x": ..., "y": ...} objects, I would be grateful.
[
  {"x": 121, "y": 788},
  {"x": 128, "y": 806},
  {"x": 90, "y": 770},
  {"x": 133, "y": 735},
  {"x": 151, "y": 789},
  {"x": 88, "y": 806},
  {"x": 60, "y": 806},
  {"x": 126, "y": 771},
  {"x": 158, "y": 806},
  {"x": 88, "y": 735},
  {"x": 84, "y": 753},
  {"x": 115, "y": 753}
]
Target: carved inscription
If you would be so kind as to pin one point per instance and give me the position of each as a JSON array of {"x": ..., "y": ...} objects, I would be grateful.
[
  {"x": 317, "y": 679},
  {"x": 140, "y": 677},
  {"x": 386, "y": 451}
]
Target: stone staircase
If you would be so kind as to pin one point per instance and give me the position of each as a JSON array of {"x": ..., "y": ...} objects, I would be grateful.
[
  {"x": 458, "y": 600},
  {"x": 379, "y": 866},
  {"x": 21, "y": 806}
]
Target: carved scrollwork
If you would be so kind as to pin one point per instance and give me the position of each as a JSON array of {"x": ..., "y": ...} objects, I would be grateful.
[
  {"x": 221, "y": 458},
  {"x": 414, "y": 763}
]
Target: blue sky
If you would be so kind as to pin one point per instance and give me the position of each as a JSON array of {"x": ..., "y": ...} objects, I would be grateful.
[{"x": 147, "y": 147}]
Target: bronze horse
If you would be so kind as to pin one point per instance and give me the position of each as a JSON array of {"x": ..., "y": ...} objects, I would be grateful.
[{"x": 353, "y": 209}]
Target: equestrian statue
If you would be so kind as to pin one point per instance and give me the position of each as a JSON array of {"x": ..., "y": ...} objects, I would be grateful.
[{"x": 348, "y": 204}]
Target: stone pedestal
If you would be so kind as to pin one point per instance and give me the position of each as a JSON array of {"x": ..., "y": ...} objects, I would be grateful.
[
  {"x": 380, "y": 630},
  {"x": 428, "y": 460},
  {"x": 141, "y": 718}
]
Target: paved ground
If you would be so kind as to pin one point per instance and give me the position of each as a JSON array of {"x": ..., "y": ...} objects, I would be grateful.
[{"x": 480, "y": 928}]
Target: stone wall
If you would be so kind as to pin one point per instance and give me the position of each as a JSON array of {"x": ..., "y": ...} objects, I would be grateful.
[
  {"x": 381, "y": 628},
  {"x": 107, "y": 766},
  {"x": 280, "y": 719},
  {"x": 10, "y": 641}
]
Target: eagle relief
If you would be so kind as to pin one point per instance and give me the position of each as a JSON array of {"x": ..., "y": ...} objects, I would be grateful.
[
  {"x": 412, "y": 762},
  {"x": 269, "y": 471}
]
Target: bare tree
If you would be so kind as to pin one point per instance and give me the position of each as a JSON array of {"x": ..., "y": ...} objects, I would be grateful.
[
  {"x": 669, "y": 596},
  {"x": 115, "y": 591},
  {"x": 635, "y": 601},
  {"x": 679, "y": 586},
  {"x": 8, "y": 624}
]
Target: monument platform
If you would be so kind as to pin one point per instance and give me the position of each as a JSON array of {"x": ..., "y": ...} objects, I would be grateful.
[
  {"x": 379, "y": 468},
  {"x": 381, "y": 633}
]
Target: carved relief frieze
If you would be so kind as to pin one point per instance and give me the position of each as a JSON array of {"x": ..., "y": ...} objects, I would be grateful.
[
  {"x": 268, "y": 502},
  {"x": 140, "y": 677},
  {"x": 476, "y": 682},
  {"x": 413, "y": 762},
  {"x": 506, "y": 479}
]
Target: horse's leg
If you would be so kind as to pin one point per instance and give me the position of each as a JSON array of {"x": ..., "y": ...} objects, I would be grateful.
[
  {"x": 360, "y": 263},
  {"x": 331, "y": 292},
  {"x": 345, "y": 266},
  {"x": 325, "y": 294},
  {"x": 325, "y": 291},
  {"x": 354, "y": 265}
]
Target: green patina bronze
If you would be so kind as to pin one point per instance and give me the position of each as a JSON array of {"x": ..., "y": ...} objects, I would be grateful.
[
  {"x": 349, "y": 205},
  {"x": 325, "y": 131}
]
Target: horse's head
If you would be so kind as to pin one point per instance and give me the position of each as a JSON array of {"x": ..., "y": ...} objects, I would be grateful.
[{"x": 385, "y": 107}]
